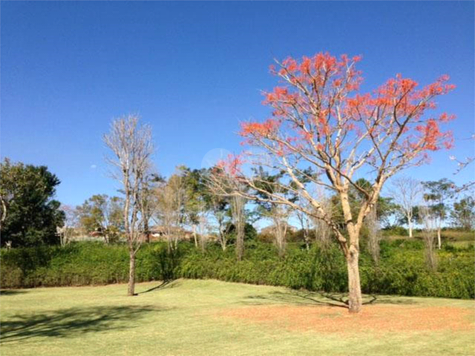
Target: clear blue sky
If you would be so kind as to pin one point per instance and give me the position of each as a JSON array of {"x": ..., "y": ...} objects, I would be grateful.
[{"x": 194, "y": 70}]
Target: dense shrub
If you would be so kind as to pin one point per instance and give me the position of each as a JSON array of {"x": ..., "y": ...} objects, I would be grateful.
[
  {"x": 402, "y": 269},
  {"x": 395, "y": 231}
]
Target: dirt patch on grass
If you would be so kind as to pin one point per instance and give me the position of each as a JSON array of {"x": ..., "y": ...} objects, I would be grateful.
[{"x": 377, "y": 318}]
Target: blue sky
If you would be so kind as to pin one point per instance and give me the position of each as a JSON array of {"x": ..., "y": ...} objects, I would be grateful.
[{"x": 195, "y": 70}]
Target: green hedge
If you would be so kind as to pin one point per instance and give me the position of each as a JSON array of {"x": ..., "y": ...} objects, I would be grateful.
[{"x": 402, "y": 269}]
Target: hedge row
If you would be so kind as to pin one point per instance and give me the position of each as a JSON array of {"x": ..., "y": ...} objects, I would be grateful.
[{"x": 402, "y": 269}]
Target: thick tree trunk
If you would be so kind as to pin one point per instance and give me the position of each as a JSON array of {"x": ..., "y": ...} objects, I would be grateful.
[
  {"x": 410, "y": 227},
  {"x": 355, "y": 300},
  {"x": 131, "y": 286}
]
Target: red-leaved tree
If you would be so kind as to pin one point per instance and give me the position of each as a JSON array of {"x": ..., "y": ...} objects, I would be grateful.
[{"x": 320, "y": 120}]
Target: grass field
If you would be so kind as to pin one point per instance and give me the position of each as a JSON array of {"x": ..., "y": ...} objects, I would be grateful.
[{"x": 192, "y": 317}]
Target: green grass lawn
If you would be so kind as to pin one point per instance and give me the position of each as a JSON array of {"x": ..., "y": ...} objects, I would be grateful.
[{"x": 192, "y": 317}]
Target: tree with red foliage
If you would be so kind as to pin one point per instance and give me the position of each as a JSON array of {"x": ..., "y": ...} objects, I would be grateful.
[{"x": 321, "y": 121}]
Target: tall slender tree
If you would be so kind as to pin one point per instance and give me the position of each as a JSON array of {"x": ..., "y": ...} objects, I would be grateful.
[{"x": 132, "y": 148}]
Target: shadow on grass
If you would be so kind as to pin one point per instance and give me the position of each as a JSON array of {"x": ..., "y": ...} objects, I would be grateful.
[
  {"x": 163, "y": 285},
  {"x": 305, "y": 298},
  {"x": 11, "y": 292},
  {"x": 298, "y": 298},
  {"x": 70, "y": 322}
]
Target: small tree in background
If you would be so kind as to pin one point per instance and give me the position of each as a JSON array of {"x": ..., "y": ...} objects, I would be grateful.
[
  {"x": 71, "y": 223},
  {"x": 437, "y": 195},
  {"x": 222, "y": 182},
  {"x": 463, "y": 213},
  {"x": 407, "y": 194},
  {"x": 429, "y": 227},
  {"x": 169, "y": 210},
  {"x": 319, "y": 120},
  {"x": 132, "y": 147},
  {"x": 104, "y": 214},
  {"x": 279, "y": 214},
  {"x": 374, "y": 234}
]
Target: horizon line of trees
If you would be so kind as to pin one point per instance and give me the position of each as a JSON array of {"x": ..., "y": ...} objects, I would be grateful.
[{"x": 185, "y": 201}]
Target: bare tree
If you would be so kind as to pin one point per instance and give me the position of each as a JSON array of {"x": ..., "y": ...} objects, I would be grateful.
[
  {"x": 132, "y": 147},
  {"x": 148, "y": 204},
  {"x": 429, "y": 228},
  {"x": 225, "y": 185},
  {"x": 305, "y": 224},
  {"x": 169, "y": 209},
  {"x": 220, "y": 208},
  {"x": 374, "y": 234},
  {"x": 71, "y": 222},
  {"x": 322, "y": 229},
  {"x": 407, "y": 194},
  {"x": 203, "y": 227}
]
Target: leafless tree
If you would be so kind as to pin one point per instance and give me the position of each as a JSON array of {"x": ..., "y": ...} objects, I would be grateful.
[
  {"x": 132, "y": 147},
  {"x": 203, "y": 227},
  {"x": 148, "y": 204},
  {"x": 305, "y": 225},
  {"x": 222, "y": 184},
  {"x": 71, "y": 222},
  {"x": 429, "y": 228},
  {"x": 407, "y": 194},
  {"x": 322, "y": 229},
  {"x": 219, "y": 209},
  {"x": 169, "y": 209},
  {"x": 279, "y": 215},
  {"x": 374, "y": 234}
]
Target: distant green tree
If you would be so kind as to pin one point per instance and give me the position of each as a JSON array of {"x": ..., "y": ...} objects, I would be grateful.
[
  {"x": 437, "y": 196},
  {"x": 202, "y": 200},
  {"x": 30, "y": 214},
  {"x": 104, "y": 214},
  {"x": 463, "y": 213}
]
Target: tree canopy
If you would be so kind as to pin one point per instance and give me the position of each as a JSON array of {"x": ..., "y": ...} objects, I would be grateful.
[{"x": 31, "y": 215}]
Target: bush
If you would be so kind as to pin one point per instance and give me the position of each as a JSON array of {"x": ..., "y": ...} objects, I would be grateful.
[
  {"x": 395, "y": 231},
  {"x": 402, "y": 269}
]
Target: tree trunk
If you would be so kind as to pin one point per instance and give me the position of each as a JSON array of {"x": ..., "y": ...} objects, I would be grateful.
[
  {"x": 239, "y": 241},
  {"x": 223, "y": 242},
  {"x": 410, "y": 227},
  {"x": 439, "y": 238},
  {"x": 355, "y": 300},
  {"x": 146, "y": 230},
  {"x": 131, "y": 286},
  {"x": 306, "y": 236},
  {"x": 194, "y": 236}
]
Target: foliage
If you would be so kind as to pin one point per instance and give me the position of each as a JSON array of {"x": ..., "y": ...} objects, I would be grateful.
[
  {"x": 463, "y": 213},
  {"x": 401, "y": 269},
  {"x": 104, "y": 214},
  {"x": 437, "y": 195},
  {"x": 31, "y": 214}
]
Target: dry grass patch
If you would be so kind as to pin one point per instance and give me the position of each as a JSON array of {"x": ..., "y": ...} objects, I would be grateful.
[{"x": 374, "y": 318}]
